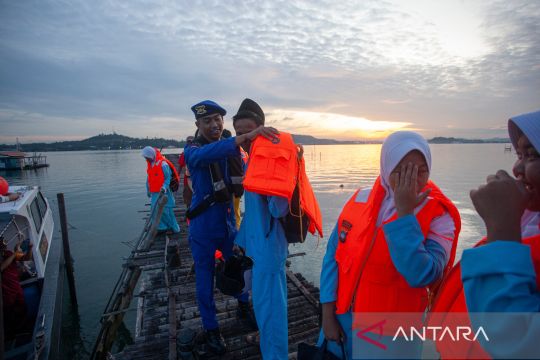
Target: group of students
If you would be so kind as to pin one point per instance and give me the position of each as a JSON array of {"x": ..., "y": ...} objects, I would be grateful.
[{"x": 391, "y": 251}]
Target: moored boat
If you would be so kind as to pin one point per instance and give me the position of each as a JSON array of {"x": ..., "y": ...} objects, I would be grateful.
[
  {"x": 29, "y": 220},
  {"x": 17, "y": 160}
]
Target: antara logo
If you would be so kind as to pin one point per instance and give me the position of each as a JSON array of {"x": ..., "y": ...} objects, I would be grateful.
[{"x": 439, "y": 333}]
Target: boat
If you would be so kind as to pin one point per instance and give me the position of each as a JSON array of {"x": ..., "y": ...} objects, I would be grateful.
[
  {"x": 18, "y": 160},
  {"x": 26, "y": 220}
]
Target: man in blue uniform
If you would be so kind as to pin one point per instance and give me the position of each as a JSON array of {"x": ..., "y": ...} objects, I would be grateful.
[{"x": 212, "y": 221}]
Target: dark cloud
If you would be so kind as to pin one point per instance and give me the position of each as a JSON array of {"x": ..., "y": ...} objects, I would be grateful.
[{"x": 130, "y": 64}]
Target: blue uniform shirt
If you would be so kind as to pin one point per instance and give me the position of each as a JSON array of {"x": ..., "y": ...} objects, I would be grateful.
[
  {"x": 263, "y": 238},
  {"x": 500, "y": 277},
  {"x": 218, "y": 220}
]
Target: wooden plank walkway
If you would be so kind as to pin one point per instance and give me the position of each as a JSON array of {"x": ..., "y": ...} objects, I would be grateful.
[{"x": 167, "y": 304}]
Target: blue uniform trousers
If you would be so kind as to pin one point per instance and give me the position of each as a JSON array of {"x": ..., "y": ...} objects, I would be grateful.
[
  {"x": 203, "y": 251},
  {"x": 270, "y": 306}
]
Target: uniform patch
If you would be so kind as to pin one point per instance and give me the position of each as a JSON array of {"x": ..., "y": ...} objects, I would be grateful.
[{"x": 201, "y": 109}]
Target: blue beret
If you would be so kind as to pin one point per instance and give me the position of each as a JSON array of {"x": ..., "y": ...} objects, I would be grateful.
[{"x": 207, "y": 107}]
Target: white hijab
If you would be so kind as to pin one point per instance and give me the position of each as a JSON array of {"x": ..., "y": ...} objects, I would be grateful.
[
  {"x": 394, "y": 148},
  {"x": 528, "y": 124},
  {"x": 149, "y": 153}
]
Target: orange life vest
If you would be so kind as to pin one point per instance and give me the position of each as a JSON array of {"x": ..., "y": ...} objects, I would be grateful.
[
  {"x": 451, "y": 299},
  {"x": 156, "y": 178},
  {"x": 275, "y": 169},
  {"x": 368, "y": 281}
]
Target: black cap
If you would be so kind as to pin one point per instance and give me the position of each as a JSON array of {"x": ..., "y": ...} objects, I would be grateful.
[{"x": 251, "y": 110}]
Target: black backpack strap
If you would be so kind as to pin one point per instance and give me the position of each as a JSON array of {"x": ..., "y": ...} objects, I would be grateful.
[{"x": 201, "y": 207}]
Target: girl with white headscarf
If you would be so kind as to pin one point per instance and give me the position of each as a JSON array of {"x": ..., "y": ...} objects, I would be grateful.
[
  {"x": 390, "y": 248},
  {"x": 502, "y": 276},
  {"x": 157, "y": 164}
]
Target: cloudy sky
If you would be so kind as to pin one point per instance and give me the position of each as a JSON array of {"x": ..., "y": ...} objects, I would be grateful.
[{"x": 335, "y": 69}]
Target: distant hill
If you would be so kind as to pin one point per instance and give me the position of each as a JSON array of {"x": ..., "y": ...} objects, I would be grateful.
[
  {"x": 120, "y": 142},
  {"x": 100, "y": 142},
  {"x": 452, "y": 140},
  {"x": 310, "y": 140}
]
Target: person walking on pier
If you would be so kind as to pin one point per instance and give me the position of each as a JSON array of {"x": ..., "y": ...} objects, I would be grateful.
[
  {"x": 270, "y": 183},
  {"x": 211, "y": 214},
  {"x": 159, "y": 178},
  {"x": 390, "y": 248},
  {"x": 269, "y": 289}
]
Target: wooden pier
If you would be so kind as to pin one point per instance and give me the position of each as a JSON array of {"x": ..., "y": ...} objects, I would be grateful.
[{"x": 167, "y": 305}]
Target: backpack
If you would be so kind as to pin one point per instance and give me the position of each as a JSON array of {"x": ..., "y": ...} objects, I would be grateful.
[
  {"x": 296, "y": 222},
  {"x": 175, "y": 178}
]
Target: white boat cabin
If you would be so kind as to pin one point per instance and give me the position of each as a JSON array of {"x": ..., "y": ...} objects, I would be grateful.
[{"x": 28, "y": 220}]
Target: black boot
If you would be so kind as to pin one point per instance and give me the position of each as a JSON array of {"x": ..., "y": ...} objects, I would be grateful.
[
  {"x": 215, "y": 342},
  {"x": 246, "y": 316}
]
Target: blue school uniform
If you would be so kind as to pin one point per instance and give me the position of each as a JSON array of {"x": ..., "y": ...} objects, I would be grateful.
[
  {"x": 500, "y": 277},
  {"x": 263, "y": 238},
  {"x": 167, "y": 220},
  {"x": 420, "y": 268}
]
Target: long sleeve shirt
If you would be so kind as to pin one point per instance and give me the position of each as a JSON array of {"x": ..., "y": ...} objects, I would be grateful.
[
  {"x": 218, "y": 220},
  {"x": 500, "y": 278},
  {"x": 261, "y": 234}
]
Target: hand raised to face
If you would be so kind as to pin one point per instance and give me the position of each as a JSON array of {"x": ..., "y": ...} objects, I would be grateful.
[
  {"x": 501, "y": 203},
  {"x": 406, "y": 192}
]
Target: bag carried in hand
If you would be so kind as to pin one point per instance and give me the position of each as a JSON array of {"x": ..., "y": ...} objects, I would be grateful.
[{"x": 313, "y": 352}]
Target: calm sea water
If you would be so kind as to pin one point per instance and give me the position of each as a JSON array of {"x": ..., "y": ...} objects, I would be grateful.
[{"x": 105, "y": 192}]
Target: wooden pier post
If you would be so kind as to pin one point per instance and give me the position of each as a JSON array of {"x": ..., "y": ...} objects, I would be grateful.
[{"x": 67, "y": 252}]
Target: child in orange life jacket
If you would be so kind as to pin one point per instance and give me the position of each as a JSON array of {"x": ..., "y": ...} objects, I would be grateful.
[
  {"x": 268, "y": 248},
  {"x": 500, "y": 274},
  {"x": 159, "y": 177},
  {"x": 390, "y": 244}
]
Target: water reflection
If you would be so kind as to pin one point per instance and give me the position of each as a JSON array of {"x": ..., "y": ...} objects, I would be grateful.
[{"x": 104, "y": 191}]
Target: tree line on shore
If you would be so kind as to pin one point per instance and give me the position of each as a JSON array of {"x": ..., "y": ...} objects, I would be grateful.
[{"x": 120, "y": 142}]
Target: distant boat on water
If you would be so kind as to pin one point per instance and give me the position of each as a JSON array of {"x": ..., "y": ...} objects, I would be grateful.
[
  {"x": 18, "y": 160},
  {"x": 30, "y": 220}
]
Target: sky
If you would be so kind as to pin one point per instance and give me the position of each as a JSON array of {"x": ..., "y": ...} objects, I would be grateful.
[{"x": 348, "y": 70}]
